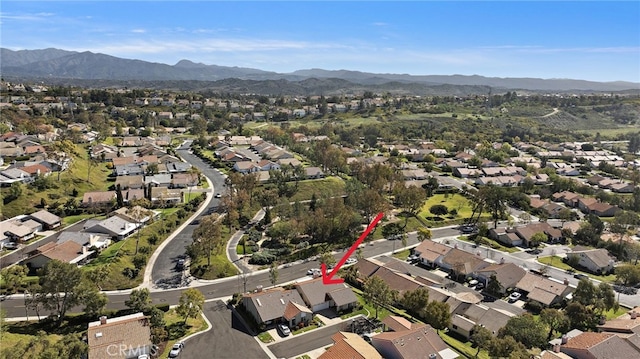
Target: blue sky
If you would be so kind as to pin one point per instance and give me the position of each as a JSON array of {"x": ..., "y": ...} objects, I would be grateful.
[{"x": 579, "y": 39}]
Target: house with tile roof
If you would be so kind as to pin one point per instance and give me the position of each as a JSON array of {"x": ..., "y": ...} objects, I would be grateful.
[
  {"x": 597, "y": 261},
  {"x": 543, "y": 290},
  {"x": 462, "y": 263},
  {"x": 507, "y": 274},
  {"x": 98, "y": 198},
  {"x": 67, "y": 252},
  {"x": 349, "y": 346},
  {"x": 398, "y": 324},
  {"x": 269, "y": 306},
  {"x": 422, "y": 342},
  {"x": 297, "y": 315},
  {"x": 319, "y": 296},
  {"x": 431, "y": 253},
  {"x": 589, "y": 345},
  {"x": 131, "y": 333}
]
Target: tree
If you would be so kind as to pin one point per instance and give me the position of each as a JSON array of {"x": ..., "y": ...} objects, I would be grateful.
[
  {"x": 494, "y": 287},
  {"x": 410, "y": 200},
  {"x": 424, "y": 234},
  {"x": 273, "y": 273},
  {"x": 438, "y": 210},
  {"x": 327, "y": 258},
  {"x": 494, "y": 199},
  {"x": 13, "y": 277},
  {"x": 565, "y": 215},
  {"x": 138, "y": 214},
  {"x": 437, "y": 315},
  {"x": 507, "y": 347},
  {"x": 628, "y": 274},
  {"x": 97, "y": 275},
  {"x": 415, "y": 300},
  {"x": 555, "y": 319},
  {"x": 481, "y": 337},
  {"x": 377, "y": 293},
  {"x": 139, "y": 300},
  {"x": 190, "y": 304},
  {"x": 94, "y": 301},
  {"x": 59, "y": 285},
  {"x": 536, "y": 239},
  {"x": 208, "y": 236},
  {"x": 526, "y": 330}
]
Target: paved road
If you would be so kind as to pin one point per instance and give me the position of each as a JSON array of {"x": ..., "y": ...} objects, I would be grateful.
[
  {"x": 301, "y": 344},
  {"x": 164, "y": 273},
  {"x": 227, "y": 338}
]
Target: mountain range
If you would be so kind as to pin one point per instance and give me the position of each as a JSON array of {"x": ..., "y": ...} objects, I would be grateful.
[{"x": 78, "y": 67}]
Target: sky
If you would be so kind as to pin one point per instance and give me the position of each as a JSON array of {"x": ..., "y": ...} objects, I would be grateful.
[{"x": 589, "y": 40}]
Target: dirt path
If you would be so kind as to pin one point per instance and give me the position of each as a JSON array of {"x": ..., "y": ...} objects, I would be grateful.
[{"x": 555, "y": 110}]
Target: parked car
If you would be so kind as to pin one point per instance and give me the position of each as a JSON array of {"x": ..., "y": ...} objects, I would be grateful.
[
  {"x": 180, "y": 264},
  {"x": 468, "y": 228},
  {"x": 514, "y": 297},
  {"x": 176, "y": 349},
  {"x": 284, "y": 330},
  {"x": 479, "y": 286},
  {"x": 10, "y": 245},
  {"x": 351, "y": 261},
  {"x": 580, "y": 276},
  {"x": 218, "y": 195}
]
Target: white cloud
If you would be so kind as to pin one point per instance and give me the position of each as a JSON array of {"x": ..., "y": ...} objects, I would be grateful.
[{"x": 139, "y": 31}]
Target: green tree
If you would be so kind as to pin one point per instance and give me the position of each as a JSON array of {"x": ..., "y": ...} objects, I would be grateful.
[
  {"x": 507, "y": 347},
  {"x": 59, "y": 287},
  {"x": 555, "y": 319},
  {"x": 273, "y": 273},
  {"x": 94, "y": 301},
  {"x": 327, "y": 258},
  {"x": 377, "y": 293},
  {"x": 438, "y": 210},
  {"x": 410, "y": 200},
  {"x": 537, "y": 239},
  {"x": 628, "y": 274},
  {"x": 415, "y": 300},
  {"x": 208, "y": 236},
  {"x": 423, "y": 234},
  {"x": 494, "y": 199},
  {"x": 13, "y": 277},
  {"x": 139, "y": 300},
  {"x": 494, "y": 287},
  {"x": 190, "y": 304},
  {"x": 526, "y": 330},
  {"x": 437, "y": 314},
  {"x": 481, "y": 337},
  {"x": 97, "y": 275}
]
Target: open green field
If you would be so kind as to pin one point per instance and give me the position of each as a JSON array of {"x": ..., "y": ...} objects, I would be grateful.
[
  {"x": 325, "y": 187},
  {"x": 611, "y": 132}
]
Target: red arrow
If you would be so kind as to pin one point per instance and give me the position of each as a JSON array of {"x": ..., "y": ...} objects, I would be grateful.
[{"x": 327, "y": 278}]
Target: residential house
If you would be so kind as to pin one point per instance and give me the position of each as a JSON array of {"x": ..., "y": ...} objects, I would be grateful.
[
  {"x": 245, "y": 167},
  {"x": 98, "y": 198},
  {"x": 601, "y": 209},
  {"x": 131, "y": 333},
  {"x": 597, "y": 261},
  {"x": 431, "y": 253},
  {"x": 568, "y": 198},
  {"x": 422, "y": 342},
  {"x": 506, "y": 236},
  {"x": 507, "y": 274},
  {"x": 584, "y": 204},
  {"x": 589, "y": 345},
  {"x": 628, "y": 324},
  {"x": 18, "y": 231},
  {"x": 293, "y": 162},
  {"x": 319, "y": 296},
  {"x": 526, "y": 232},
  {"x": 268, "y": 306},
  {"x": 166, "y": 195},
  {"x": 126, "y": 182},
  {"x": 397, "y": 280},
  {"x": 349, "y": 346},
  {"x": 184, "y": 180},
  {"x": 266, "y": 165},
  {"x": 462, "y": 263},
  {"x": 622, "y": 187},
  {"x": 463, "y": 321},
  {"x": 313, "y": 173},
  {"x": 46, "y": 218},
  {"x": 116, "y": 227},
  {"x": 67, "y": 252},
  {"x": 297, "y": 315},
  {"x": 399, "y": 324},
  {"x": 543, "y": 290}
]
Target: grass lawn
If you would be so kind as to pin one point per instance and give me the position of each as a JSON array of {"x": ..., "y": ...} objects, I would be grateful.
[
  {"x": 557, "y": 262},
  {"x": 178, "y": 329},
  {"x": 382, "y": 312},
  {"x": 305, "y": 329},
  {"x": 239, "y": 250},
  {"x": 453, "y": 201},
  {"x": 403, "y": 255},
  {"x": 220, "y": 265},
  {"x": 491, "y": 243},
  {"x": 265, "y": 337},
  {"x": 326, "y": 187},
  {"x": 463, "y": 348},
  {"x": 69, "y": 220},
  {"x": 612, "y": 314}
]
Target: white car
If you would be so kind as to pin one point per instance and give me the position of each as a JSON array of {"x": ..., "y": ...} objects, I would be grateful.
[
  {"x": 218, "y": 195},
  {"x": 514, "y": 297},
  {"x": 10, "y": 245},
  {"x": 351, "y": 261},
  {"x": 175, "y": 350}
]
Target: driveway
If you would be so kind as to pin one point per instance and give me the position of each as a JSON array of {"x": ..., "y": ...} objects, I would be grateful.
[
  {"x": 227, "y": 338},
  {"x": 303, "y": 343}
]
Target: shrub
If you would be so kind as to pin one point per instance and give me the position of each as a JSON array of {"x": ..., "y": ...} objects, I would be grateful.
[
  {"x": 439, "y": 209},
  {"x": 262, "y": 258}
]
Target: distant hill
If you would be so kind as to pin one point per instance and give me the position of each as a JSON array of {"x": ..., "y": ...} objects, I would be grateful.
[{"x": 77, "y": 66}]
